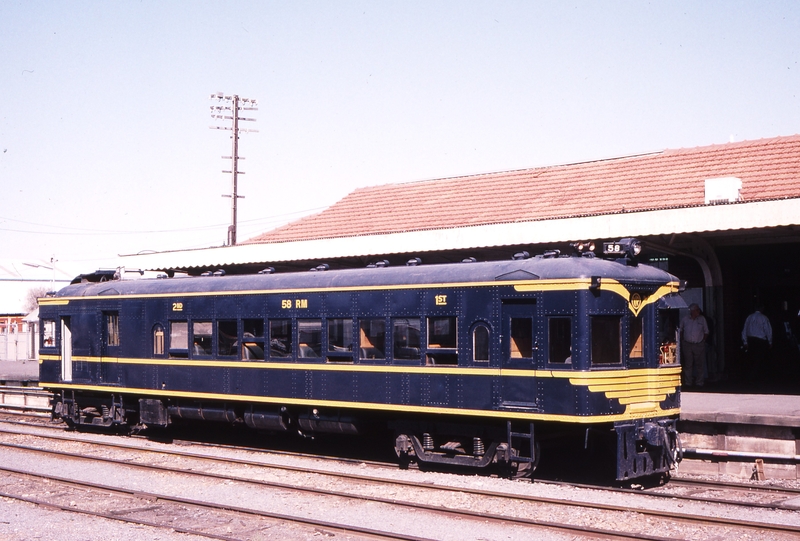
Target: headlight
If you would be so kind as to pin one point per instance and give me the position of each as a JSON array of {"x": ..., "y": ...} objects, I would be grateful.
[{"x": 627, "y": 247}]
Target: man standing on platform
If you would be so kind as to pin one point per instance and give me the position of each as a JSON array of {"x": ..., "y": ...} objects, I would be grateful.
[
  {"x": 757, "y": 339},
  {"x": 694, "y": 333}
]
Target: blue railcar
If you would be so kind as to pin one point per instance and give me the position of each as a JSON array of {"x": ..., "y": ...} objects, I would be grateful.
[{"x": 469, "y": 364}]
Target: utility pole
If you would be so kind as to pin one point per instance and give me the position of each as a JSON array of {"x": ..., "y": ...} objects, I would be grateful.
[{"x": 229, "y": 110}]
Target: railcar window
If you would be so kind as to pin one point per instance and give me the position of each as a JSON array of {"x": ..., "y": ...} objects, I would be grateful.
[
  {"x": 480, "y": 343},
  {"x": 442, "y": 335},
  {"x": 405, "y": 338},
  {"x": 560, "y": 340},
  {"x": 340, "y": 335},
  {"x": 48, "y": 333},
  {"x": 158, "y": 340},
  {"x": 309, "y": 338},
  {"x": 606, "y": 348},
  {"x": 521, "y": 338},
  {"x": 201, "y": 338},
  {"x": 667, "y": 325},
  {"x": 112, "y": 329},
  {"x": 636, "y": 341},
  {"x": 179, "y": 339},
  {"x": 280, "y": 337},
  {"x": 442, "y": 332},
  {"x": 253, "y": 339},
  {"x": 227, "y": 337},
  {"x": 372, "y": 338}
]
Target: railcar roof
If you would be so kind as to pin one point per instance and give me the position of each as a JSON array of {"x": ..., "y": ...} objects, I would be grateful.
[{"x": 453, "y": 273}]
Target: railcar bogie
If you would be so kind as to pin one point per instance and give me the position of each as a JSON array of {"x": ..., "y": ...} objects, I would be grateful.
[{"x": 91, "y": 409}]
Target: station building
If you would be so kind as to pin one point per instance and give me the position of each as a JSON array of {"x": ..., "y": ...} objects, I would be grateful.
[{"x": 724, "y": 218}]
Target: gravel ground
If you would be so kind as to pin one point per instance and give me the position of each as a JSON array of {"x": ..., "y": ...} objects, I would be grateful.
[
  {"x": 372, "y": 515},
  {"x": 25, "y": 521},
  {"x": 335, "y": 510}
]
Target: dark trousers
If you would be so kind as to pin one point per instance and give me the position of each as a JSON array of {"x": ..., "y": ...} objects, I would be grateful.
[
  {"x": 757, "y": 356},
  {"x": 693, "y": 359}
]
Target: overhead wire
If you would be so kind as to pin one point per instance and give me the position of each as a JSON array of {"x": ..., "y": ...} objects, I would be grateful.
[{"x": 80, "y": 231}]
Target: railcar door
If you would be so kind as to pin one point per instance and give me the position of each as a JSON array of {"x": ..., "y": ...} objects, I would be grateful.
[
  {"x": 110, "y": 346},
  {"x": 520, "y": 354},
  {"x": 66, "y": 350}
]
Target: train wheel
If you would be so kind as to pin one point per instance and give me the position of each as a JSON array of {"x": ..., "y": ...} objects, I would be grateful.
[
  {"x": 521, "y": 469},
  {"x": 403, "y": 460}
]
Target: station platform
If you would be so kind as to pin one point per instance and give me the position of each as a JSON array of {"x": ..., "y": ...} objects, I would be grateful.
[
  {"x": 745, "y": 409},
  {"x": 745, "y": 435},
  {"x": 19, "y": 372}
]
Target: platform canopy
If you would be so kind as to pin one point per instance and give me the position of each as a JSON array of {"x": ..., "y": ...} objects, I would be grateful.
[{"x": 721, "y": 190}]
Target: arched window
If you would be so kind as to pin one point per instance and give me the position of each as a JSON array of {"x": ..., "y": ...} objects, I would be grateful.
[
  {"x": 480, "y": 343},
  {"x": 158, "y": 340}
]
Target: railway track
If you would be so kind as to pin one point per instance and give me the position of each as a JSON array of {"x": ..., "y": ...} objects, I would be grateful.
[
  {"x": 165, "y": 511},
  {"x": 690, "y": 488},
  {"x": 751, "y": 495},
  {"x": 779, "y": 498},
  {"x": 411, "y": 490}
]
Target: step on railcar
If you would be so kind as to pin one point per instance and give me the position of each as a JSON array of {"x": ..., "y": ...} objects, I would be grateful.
[{"x": 470, "y": 364}]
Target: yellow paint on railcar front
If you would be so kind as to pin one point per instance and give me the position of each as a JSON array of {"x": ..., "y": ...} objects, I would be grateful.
[{"x": 640, "y": 392}]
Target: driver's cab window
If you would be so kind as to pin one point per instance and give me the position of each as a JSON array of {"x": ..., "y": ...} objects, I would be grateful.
[
  {"x": 559, "y": 337},
  {"x": 606, "y": 346}
]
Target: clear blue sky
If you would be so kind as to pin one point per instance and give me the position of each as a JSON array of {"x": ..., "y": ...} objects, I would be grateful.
[{"x": 105, "y": 146}]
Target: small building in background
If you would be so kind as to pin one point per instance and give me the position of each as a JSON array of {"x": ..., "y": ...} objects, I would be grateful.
[{"x": 20, "y": 284}]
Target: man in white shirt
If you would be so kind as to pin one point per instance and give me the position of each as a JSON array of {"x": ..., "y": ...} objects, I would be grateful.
[{"x": 757, "y": 339}]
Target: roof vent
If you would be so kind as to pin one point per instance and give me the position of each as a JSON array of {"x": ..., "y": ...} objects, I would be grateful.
[
  {"x": 413, "y": 262},
  {"x": 723, "y": 190}
]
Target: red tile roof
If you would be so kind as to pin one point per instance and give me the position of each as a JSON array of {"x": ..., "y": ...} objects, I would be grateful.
[{"x": 769, "y": 169}]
